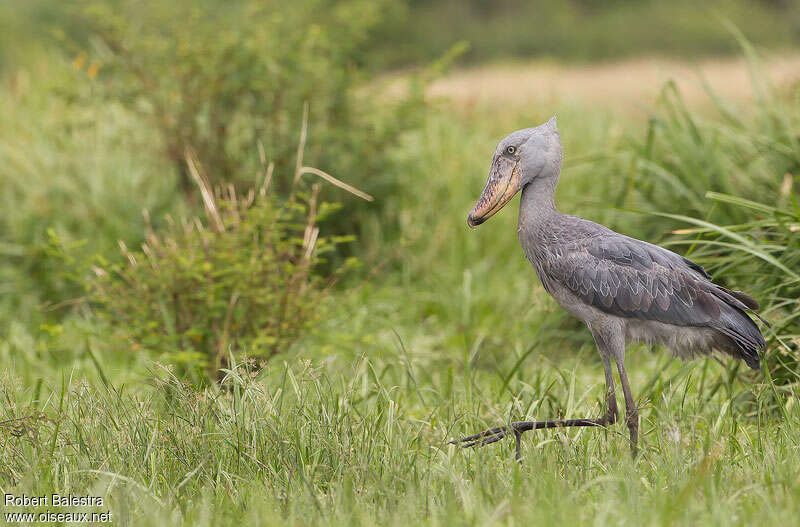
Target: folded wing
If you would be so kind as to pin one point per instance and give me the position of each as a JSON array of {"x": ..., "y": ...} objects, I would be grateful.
[{"x": 631, "y": 278}]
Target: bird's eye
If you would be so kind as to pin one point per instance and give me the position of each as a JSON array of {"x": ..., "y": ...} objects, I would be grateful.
[{"x": 510, "y": 150}]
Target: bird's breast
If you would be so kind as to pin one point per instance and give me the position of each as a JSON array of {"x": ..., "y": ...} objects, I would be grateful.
[{"x": 535, "y": 252}]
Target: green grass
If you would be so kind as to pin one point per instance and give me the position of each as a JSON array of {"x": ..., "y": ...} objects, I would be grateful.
[
  {"x": 362, "y": 440},
  {"x": 446, "y": 331}
]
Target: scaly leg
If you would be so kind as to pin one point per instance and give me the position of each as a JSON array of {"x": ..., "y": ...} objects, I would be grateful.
[{"x": 631, "y": 412}]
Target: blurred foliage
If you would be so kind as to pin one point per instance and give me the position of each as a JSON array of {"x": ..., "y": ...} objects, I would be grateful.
[
  {"x": 682, "y": 156},
  {"x": 230, "y": 80},
  {"x": 399, "y": 33},
  {"x": 243, "y": 281},
  {"x": 582, "y": 30},
  {"x": 75, "y": 167}
]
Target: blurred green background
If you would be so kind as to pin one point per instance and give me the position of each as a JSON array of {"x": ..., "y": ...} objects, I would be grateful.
[{"x": 186, "y": 309}]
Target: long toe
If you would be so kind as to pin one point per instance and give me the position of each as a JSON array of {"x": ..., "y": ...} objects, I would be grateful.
[
  {"x": 488, "y": 440},
  {"x": 487, "y": 437}
]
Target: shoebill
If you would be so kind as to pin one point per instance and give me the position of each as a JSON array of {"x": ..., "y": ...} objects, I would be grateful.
[{"x": 623, "y": 289}]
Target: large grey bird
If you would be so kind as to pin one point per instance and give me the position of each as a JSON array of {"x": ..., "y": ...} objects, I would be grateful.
[{"x": 622, "y": 288}]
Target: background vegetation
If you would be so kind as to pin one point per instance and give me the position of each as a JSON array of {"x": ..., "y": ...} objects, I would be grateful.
[
  {"x": 583, "y": 30},
  {"x": 184, "y": 329}
]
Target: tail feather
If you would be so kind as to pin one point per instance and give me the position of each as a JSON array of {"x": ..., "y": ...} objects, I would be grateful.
[
  {"x": 746, "y": 339},
  {"x": 745, "y": 299},
  {"x": 740, "y": 301}
]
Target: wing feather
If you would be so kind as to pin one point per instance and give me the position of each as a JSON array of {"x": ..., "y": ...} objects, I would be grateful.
[{"x": 631, "y": 278}]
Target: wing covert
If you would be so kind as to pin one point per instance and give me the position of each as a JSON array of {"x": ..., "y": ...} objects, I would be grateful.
[{"x": 630, "y": 278}]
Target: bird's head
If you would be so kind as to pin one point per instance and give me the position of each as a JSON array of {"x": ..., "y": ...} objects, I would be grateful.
[{"x": 520, "y": 158}]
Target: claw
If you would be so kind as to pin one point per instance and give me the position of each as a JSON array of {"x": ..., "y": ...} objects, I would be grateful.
[
  {"x": 487, "y": 437},
  {"x": 485, "y": 441},
  {"x": 481, "y": 435}
]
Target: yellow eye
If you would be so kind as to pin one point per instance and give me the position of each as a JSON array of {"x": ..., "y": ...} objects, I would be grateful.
[{"x": 511, "y": 150}]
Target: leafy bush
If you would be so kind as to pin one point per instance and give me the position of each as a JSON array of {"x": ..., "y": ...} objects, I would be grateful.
[
  {"x": 241, "y": 281},
  {"x": 79, "y": 147},
  {"x": 228, "y": 79}
]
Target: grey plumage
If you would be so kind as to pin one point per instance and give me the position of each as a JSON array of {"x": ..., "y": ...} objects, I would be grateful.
[
  {"x": 629, "y": 278},
  {"x": 622, "y": 288}
]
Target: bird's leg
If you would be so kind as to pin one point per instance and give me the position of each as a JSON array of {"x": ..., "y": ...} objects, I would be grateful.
[
  {"x": 611, "y": 397},
  {"x": 492, "y": 435},
  {"x": 631, "y": 412}
]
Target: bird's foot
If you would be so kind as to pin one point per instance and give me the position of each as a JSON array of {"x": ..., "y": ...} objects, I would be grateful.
[
  {"x": 487, "y": 437},
  {"x": 493, "y": 435}
]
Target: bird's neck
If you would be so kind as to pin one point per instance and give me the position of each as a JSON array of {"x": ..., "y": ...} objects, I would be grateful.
[{"x": 537, "y": 205}]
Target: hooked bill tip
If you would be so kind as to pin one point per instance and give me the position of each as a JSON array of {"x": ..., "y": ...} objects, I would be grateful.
[{"x": 473, "y": 222}]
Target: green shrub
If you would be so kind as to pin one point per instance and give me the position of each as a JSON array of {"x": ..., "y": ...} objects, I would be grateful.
[
  {"x": 242, "y": 281},
  {"x": 79, "y": 149},
  {"x": 229, "y": 79}
]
